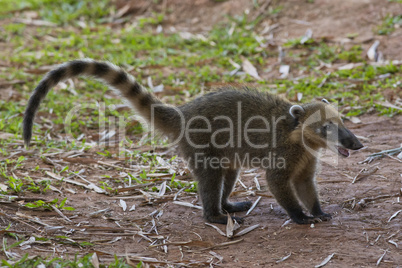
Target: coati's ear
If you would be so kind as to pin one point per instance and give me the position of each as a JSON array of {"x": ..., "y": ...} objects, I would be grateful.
[
  {"x": 325, "y": 101},
  {"x": 296, "y": 111}
]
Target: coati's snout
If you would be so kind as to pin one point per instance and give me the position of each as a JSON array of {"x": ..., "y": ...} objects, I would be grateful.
[{"x": 347, "y": 140}]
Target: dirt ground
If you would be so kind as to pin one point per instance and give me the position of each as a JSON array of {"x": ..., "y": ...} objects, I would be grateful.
[
  {"x": 364, "y": 229},
  {"x": 359, "y": 233}
]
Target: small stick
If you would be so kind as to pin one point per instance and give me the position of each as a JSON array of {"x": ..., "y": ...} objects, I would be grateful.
[
  {"x": 254, "y": 205},
  {"x": 324, "y": 262},
  {"x": 382, "y": 256},
  {"x": 60, "y": 213},
  {"x": 365, "y": 173}
]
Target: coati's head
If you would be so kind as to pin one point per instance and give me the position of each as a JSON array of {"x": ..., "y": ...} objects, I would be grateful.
[{"x": 320, "y": 126}]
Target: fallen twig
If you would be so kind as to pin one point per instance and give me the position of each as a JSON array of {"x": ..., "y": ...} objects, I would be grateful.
[
  {"x": 381, "y": 154},
  {"x": 60, "y": 213},
  {"x": 216, "y": 228},
  {"x": 364, "y": 173},
  {"x": 247, "y": 230},
  {"x": 254, "y": 205},
  {"x": 284, "y": 258},
  {"x": 186, "y": 204},
  {"x": 91, "y": 186},
  {"x": 364, "y": 201},
  {"x": 325, "y": 261},
  {"x": 381, "y": 257},
  {"x": 224, "y": 244},
  {"x": 394, "y": 215}
]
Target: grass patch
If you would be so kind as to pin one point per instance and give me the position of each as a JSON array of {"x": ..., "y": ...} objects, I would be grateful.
[
  {"x": 181, "y": 63},
  {"x": 85, "y": 261},
  {"x": 389, "y": 24},
  {"x": 177, "y": 62},
  {"x": 61, "y": 12}
]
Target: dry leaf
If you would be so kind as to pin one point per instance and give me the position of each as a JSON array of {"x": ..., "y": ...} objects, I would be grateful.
[
  {"x": 162, "y": 189},
  {"x": 254, "y": 205},
  {"x": 3, "y": 187},
  {"x": 284, "y": 258},
  {"x": 247, "y": 230},
  {"x": 381, "y": 257},
  {"x": 186, "y": 204},
  {"x": 299, "y": 96},
  {"x": 372, "y": 52},
  {"x": 216, "y": 228},
  {"x": 249, "y": 68},
  {"x": 4, "y": 136},
  {"x": 216, "y": 255},
  {"x": 284, "y": 71},
  {"x": 364, "y": 172},
  {"x": 355, "y": 120},
  {"x": 36, "y": 22},
  {"x": 229, "y": 227},
  {"x": 394, "y": 215},
  {"x": 114, "y": 240},
  {"x": 393, "y": 243},
  {"x": 122, "y": 11},
  {"x": 95, "y": 260},
  {"x": 389, "y": 105},
  {"x": 123, "y": 204},
  {"x": 324, "y": 262},
  {"x": 307, "y": 36}
]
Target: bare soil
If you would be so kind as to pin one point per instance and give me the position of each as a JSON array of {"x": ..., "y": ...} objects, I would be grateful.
[{"x": 361, "y": 231}]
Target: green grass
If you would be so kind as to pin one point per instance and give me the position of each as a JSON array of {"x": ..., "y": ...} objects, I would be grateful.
[
  {"x": 389, "y": 24},
  {"x": 194, "y": 62},
  {"x": 395, "y": 1},
  {"x": 167, "y": 58},
  {"x": 85, "y": 261},
  {"x": 61, "y": 12}
]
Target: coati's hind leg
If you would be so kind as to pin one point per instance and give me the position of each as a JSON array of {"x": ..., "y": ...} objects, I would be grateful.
[
  {"x": 229, "y": 180},
  {"x": 210, "y": 182},
  {"x": 307, "y": 193},
  {"x": 280, "y": 186}
]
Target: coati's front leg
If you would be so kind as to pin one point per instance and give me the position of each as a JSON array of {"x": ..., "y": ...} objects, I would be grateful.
[
  {"x": 280, "y": 185},
  {"x": 210, "y": 182},
  {"x": 229, "y": 180},
  {"x": 306, "y": 191}
]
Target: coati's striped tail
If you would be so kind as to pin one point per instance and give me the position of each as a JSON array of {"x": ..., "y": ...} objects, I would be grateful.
[{"x": 112, "y": 75}]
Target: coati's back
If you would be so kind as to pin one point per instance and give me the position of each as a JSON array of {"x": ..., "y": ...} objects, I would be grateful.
[{"x": 227, "y": 122}]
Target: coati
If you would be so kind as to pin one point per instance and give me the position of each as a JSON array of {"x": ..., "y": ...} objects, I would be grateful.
[{"x": 222, "y": 131}]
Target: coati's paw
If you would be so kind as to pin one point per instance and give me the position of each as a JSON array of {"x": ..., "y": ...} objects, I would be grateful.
[
  {"x": 324, "y": 217},
  {"x": 238, "y": 219},
  {"x": 223, "y": 219},
  {"x": 306, "y": 220},
  {"x": 237, "y": 206}
]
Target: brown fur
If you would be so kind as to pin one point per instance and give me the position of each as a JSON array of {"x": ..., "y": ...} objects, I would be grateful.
[{"x": 218, "y": 121}]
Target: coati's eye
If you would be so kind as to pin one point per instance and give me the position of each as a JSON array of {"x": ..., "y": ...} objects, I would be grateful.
[
  {"x": 328, "y": 125},
  {"x": 326, "y": 129}
]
